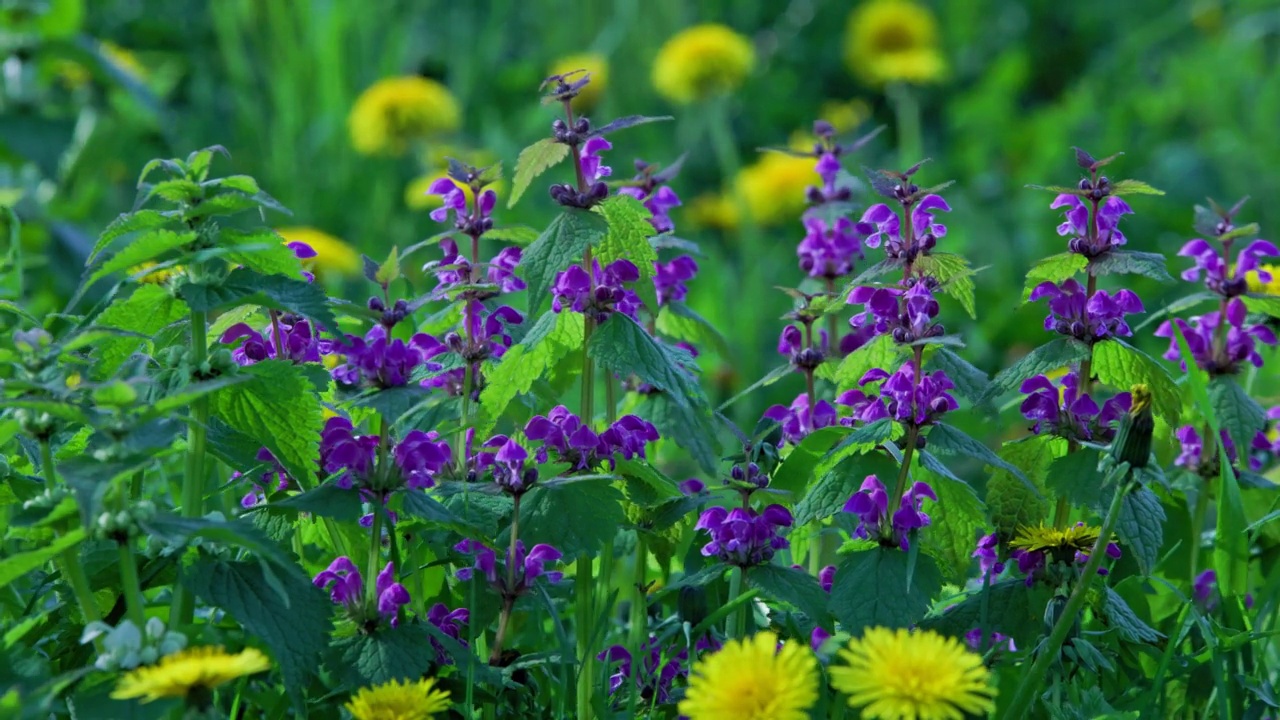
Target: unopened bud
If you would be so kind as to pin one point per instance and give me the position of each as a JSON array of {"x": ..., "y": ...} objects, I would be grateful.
[{"x": 1133, "y": 440}]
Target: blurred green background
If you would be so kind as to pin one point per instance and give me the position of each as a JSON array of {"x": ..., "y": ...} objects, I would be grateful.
[{"x": 1190, "y": 91}]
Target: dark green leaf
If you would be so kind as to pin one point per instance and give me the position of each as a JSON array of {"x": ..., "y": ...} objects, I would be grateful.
[
  {"x": 794, "y": 587},
  {"x": 1012, "y": 502},
  {"x": 971, "y": 382},
  {"x": 1117, "y": 262},
  {"x": 577, "y": 518},
  {"x": 1012, "y": 609},
  {"x": 796, "y": 470},
  {"x": 1117, "y": 614},
  {"x": 1240, "y": 415},
  {"x": 1053, "y": 355},
  {"x": 690, "y": 428},
  {"x": 279, "y": 407},
  {"x": 947, "y": 440},
  {"x": 624, "y": 347},
  {"x": 1141, "y": 527},
  {"x": 327, "y": 500},
  {"x": 562, "y": 244},
  {"x": 875, "y": 588},
  {"x": 1075, "y": 476},
  {"x": 240, "y": 533},
  {"x": 246, "y": 287},
  {"x": 955, "y": 522},
  {"x": 389, "y": 653},
  {"x": 421, "y": 505},
  {"x": 827, "y": 496}
]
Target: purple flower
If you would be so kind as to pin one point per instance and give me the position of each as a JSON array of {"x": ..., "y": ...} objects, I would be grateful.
[
  {"x": 654, "y": 679},
  {"x": 391, "y": 595},
  {"x": 506, "y": 458},
  {"x": 601, "y": 293},
  {"x": 501, "y": 270},
  {"x": 453, "y": 270},
  {"x": 828, "y": 168},
  {"x": 297, "y": 341},
  {"x": 593, "y": 167},
  {"x": 1239, "y": 345},
  {"x": 669, "y": 278},
  {"x": 450, "y": 623},
  {"x": 829, "y": 251},
  {"x": 475, "y": 223},
  {"x": 659, "y": 200},
  {"x": 743, "y": 537},
  {"x": 1064, "y": 411},
  {"x": 905, "y": 399},
  {"x": 342, "y": 580},
  {"x": 420, "y": 455},
  {"x": 988, "y": 556},
  {"x": 805, "y": 359},
  {"x": 346, "y": 588},
  {"x": 1204, "y": 591},
  {"x": 1072, "y": 312},
  {"x": 527, "y": 566},
  {"x": 1220, "y": 276},
  {"x": 693, "y": 486},
  {"x": 818, "y": 637},
  {"x": 574, "y": 441},
  {"x": 1076, "y": 225},
  {"x": 827, "y": 577},
  {"x": 274, "y": 478},
  {"x": 798, "y": 421},
  {"x": 1193, "y": 457},
  {"x": 380, "y": 362},
  {"x": 995, "y": 640},
  {"x": 907, "y": 315},
  {"x": 871, "y": 505},
  {"x": 303, "y": 251},
  {"x": 748, "y": 477},
  {"x": 342, "y": 451},
  {"x": 880, "y": 224}
]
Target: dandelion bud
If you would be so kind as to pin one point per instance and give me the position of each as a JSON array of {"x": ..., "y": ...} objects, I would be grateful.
[{"x": 1133, "y": 439}]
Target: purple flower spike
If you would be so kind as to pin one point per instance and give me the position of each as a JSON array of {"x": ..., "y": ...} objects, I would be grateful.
[
  {"x": 1204, "y": 591},
  {"x": 1072, "y": 312},
  {"x": 1064, "y": 411},
  {"x": 1240, "y": 345},
  {"x": 501, "y": 270},
  {"x": 1220, "y": 276},
  {"x": 1076, "y": 225},
  {"x": 454, "y": 199},
  {"x": 342, "y": 580},
  {"x": 593, "y": 167},
  {"x": 659, "y": 200},
  {"x": 743, "y": 537},
  {"x": 420, "y": 455},
  {"x": 904, "y": 399},
  {"x": 881, "y": 225},
  {"x": 995, "y": 641},
  {"x": 871, "y": 505},
  {"x": 297, "y": 339},
  {"x": 450, "y": 623},
  {"x": 341, "y": 450},
  {"x": 528, "y": 567},
  {"x": 827, "y": 577},
  {"x": 797, "y": 421},
  {"x": 380, "y": 362},
  {"x": 391, "y": 594},
  {"x": 601, "y": 293},
  {"x": 988, "y": 558},
  {"x": 829, "y": 251},
  {"x": 885, "y": 313},
  {"x": 669, "y": 278}
]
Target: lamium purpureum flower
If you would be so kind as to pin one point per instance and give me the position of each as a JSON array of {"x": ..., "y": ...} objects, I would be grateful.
[
  {"x": 658, "y": 198},
  {"x": 803, "y": 358},
  {"x": 655, "y": 677},
  {"x": 1192, "y": 456},
  {"x": 1076, "y": 223},
  {"x": 871, "y": 505},
  {"x": 742, "y": 536},
  {"x": 669, "y": 278},
  {"x": 505, "y": 458},
  {"x": 273, "y": 478},
  {"x": 1238, "y": 345},
  {"x": 297, "y": 341},
  {"x": 474, "y": 222},
  {"x": 528, "y": 567},
  {"x": 908, "y": 315},
  {"x": 881, "y": 225},
  {"x": 828, "y": 168},
  {"x": 417, "y": 458},
  {"x": 454, "y": 269},
  {"x": 987, "y": 553},
  {"x": 601, "y": 294},
  {"x": 829, "y": 250},
  {"x": 591, "y": 164},
  {"x": 747, "y": 476},
  {"x": 382, "y": 362},
  {"x": 450, "y": 623},
  {"x": 1074, "y": 313},
  {"x": 905, "y": 399},
  {"x": 1228, "y": 279},
  {"x": 345, "y": 586},
  {"x": 797, "y": 420},
  {"x": 1064, "y": 411},
  {"x": 574, "y": 442},
  {"x": 994, "y": 640}
]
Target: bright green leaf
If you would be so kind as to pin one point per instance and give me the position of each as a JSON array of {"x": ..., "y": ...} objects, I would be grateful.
[
  {"x": 533, "y": 161},
  {"x": 1054, "y": 269},
  {"x": 1121, "y": 366},
  {"x": 562, "y": 244},
  {"x": 279, "y": 407}
]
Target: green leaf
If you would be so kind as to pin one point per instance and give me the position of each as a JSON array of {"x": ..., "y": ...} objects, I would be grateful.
[
  {"x": 262, "y": 250},
  {"x": 680, "y": 322},
  {"x": 19, "y": 564},
  {"x": 389, "y": 271},
  {"x": 1054, "y": 269},
  {"x": 486, "y": 510},
  {"x": 514, "y": 234},
  {"x": 295, "y": 627},
  {"x": 1116, "y": 613},
  {"x": 827, "y": 496},
  {"x": 128, "y": 223},
  {"x": 1121, "y": 366},
  {"x": 1141, "y": 527},
  {"x": 240, "y": 533},
  {"x": 562, "y": 244},
  {"x": 1268, "y": 305},
  {"x": 1010, "y": 501},
  {"x": 554, "y": 336},
  {"x": 386, "y": 654},
  {"x": 279, "y": 407},
  {"x": 1237, "y": 413},
  {"x": 956, "y": 276},
  {"x": 421, "y": 505},
  {"x": 688, "y": 427},
  {"x": 955, "y": 522},
  {"x": 971, "y": 382},
  {"x": 1075, "y": 476},
  {"x": 1133, "y": 187},
  {"x": 533, "y": 161},
  {"x": 577, "y": 518},
  {"x": 794, "y": 587},
  {"x": 244, "y": 286},
  {"x": 144, "y": 248},
  {"x": 878, "y": 588},
  {"x": 148, "y": 310},
  {"x": 621, "y": 345},
  {"x": 881, "y": 352},
  {"x": 325, "y": 500},
  {"x": 863, "y": 439},
  {"x": 1053, "y": 355},
  {"x": 947, "y": 440},
  {"x": 180, "y": 190},
  {"x": 628, "y": 239},
  {"x": 795, "y": 471},
  {"x": 1119, "y": 262},
  {"x": 1012, "y": 609}
]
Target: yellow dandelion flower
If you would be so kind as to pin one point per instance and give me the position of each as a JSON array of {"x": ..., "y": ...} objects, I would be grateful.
[
  {"x": 900, "y": 675},
  {"x": 893, "y": 41},
  {"x": 594, "y": 63},
  {"x": 156, "y": 277},
  {"x": 773, "y": 188},
  {"x": 700, "y": 61},
  {"x": 395, "y": 111},
  {"x": 1035, "y": 539},
  {"x": 1266, "y": 287},
  {"x": 713, "y": 210},
  {"x": 194, "y": 670},
  {"x": 332, "y": 255},
  {"x": 845, "y": 116},
  {"x": 396, "y": 700},
  {"x": 752, "y": 679}
]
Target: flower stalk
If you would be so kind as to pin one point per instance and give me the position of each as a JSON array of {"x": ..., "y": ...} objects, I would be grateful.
[
  {"x": 193, "y": 479},
  {"x": 69, "y": 559}
]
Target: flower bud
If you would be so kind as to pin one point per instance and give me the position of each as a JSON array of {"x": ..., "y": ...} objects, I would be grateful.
[{"x": 1133, "y": 439}]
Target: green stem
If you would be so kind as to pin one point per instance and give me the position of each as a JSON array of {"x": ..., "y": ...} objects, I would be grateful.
[
  {"x": 584, "y": 590},
  {"x": 193, "y": 480},
  {"x": 1062, "y": 513},
  {"x": 375, "y": 556},
  {"x": 906, "y": 111},
  {"x": 735, "y": 624},
  {"x": 1034, "y": 679},
  {"x": 69, "y": 559},
  {"x": 134, "y": 600},
  {"x": 1198, "y": 517},
  {"x": 610, "y": 398}
]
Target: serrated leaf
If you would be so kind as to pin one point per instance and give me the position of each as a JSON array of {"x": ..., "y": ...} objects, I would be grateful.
[
  {"x": 279, "y": 407},
  {"x": 148, "y": 310},
  {"x": 828, "y": 495},
  {"x": 872, "y": 589},
  {"x": 1010, "y": 502},
  {"x": 550, "y": 339},
  {"x": 688, "y": 427},
  {"x": 177, "y": 190},
  {"x": 239, "y": 533},
  {"x": 1011, "y": 608},
  {"x": 956, "y": 276},
  {"x": 947, "y": 440},
  {"x": 295, "y": 627},
  {"x": 1121, "y": 366},
  {"x": 515, "y": 234},
  {"x": 239, "y": 183},
  {"x": 533, "y": 161},
  {"x": 621, "y": 345},
  {"x": 1133, "y": 187},
  {"x": 1119, "y": 615},
  {"x": 623, "y": 123},
  {"x": 1266, "y": 304},
  {"x": 955, "y": 522},
  {"x": 863, "y": 439},
  {"x": 1237, "y": 413},
  {"x": 421, "y": 505},
  {"x": 576, "y": 518},
  {"x": 1117, "y": 262},
  {"x": 389, "y": 271},
  {"x": 1141, "y": 527},
  {"x": 18, "y": 564},
  {"x": 971, "y": 382},
  {"x": 146, "y": 247},
  {"x": 1053, "y": 355},
  {"x": 262, "y": 250},
  {"x": 1054, "y": 269},
  {"x": 680, "y": 322},
  {"x": 794, "y": 587},
  {"x": 325, "y": 500},
  {"x": 880, "y": 352},
  {"x": 1075, "y": 476},
  {"x": 795, "y": 471},
  {"x": 244, "y": 286},
  {"x": 562, "y": 244},
  {"x": 388, "y": 653},
  {"x": 628, "y": 239},
  {"x": 128, "y": 223}
]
